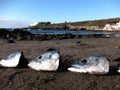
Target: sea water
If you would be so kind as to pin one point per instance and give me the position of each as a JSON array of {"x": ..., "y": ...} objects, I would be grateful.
[{"x": 74, "y": 32}]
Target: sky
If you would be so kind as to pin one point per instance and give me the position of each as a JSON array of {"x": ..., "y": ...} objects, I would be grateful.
[{"x": 20, "y": 13}]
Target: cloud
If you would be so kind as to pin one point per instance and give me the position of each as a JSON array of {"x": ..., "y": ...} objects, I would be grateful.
[{"x": 9, "y": 23}]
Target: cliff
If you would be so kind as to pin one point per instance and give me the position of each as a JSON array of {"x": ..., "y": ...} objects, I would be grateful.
[{"x": 82, "y": 25}]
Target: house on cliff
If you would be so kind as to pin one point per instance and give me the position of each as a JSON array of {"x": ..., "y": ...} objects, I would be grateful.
[
  {"x": 33, "y": 24},
  {"x": 112, "y": 27}
]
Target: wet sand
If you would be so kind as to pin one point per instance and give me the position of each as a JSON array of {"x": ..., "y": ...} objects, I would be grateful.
[{"x": 71, "y": 50}]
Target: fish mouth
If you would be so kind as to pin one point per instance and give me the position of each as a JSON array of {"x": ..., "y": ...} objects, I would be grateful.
[{"x": 77, "y": 68}]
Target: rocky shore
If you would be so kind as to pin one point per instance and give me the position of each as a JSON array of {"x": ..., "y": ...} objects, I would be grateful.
[{"x": 20, "y": 34}]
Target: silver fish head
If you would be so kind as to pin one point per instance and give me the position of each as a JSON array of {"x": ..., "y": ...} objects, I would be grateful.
[
  {"x": 11, "y": 61},
  {"x": 93, "y": 65},
  {"x": 46, "y": 62}
]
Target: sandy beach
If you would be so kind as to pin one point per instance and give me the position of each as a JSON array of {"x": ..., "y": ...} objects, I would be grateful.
[{"x": 70, "y": 50}]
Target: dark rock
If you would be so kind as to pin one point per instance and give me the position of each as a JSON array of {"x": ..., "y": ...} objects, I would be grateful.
[
  {"x": 42, "y": 37},
  {"x": 4, "y": 32},
  {"x": 20, "y": 34},
  {"x": 69, "y": 36},
  {"x": 11, "y": 40}
]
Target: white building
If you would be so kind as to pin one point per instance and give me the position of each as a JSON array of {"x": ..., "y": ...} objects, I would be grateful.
[
  {"x": 118, "y": 25},
  {"x": 33, "y": 24},
  {"x": 112, "y": 26},
  {"x": 107, "y": 27}
]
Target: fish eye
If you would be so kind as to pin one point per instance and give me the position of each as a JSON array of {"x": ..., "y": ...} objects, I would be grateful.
[
  {"x": 84, "y": 61},
  {"x": 39, "y": 57},
  {"x": 96, "y": 59}
]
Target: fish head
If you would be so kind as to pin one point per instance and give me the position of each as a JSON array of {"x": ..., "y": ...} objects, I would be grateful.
[
  {"x": 12, "y": 60},
  {"x": 46, "y": 62},
  {"x": 92, "y": 64}
]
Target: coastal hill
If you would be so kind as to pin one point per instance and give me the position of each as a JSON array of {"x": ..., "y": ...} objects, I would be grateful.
[{"x": 80, "y": 25}]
